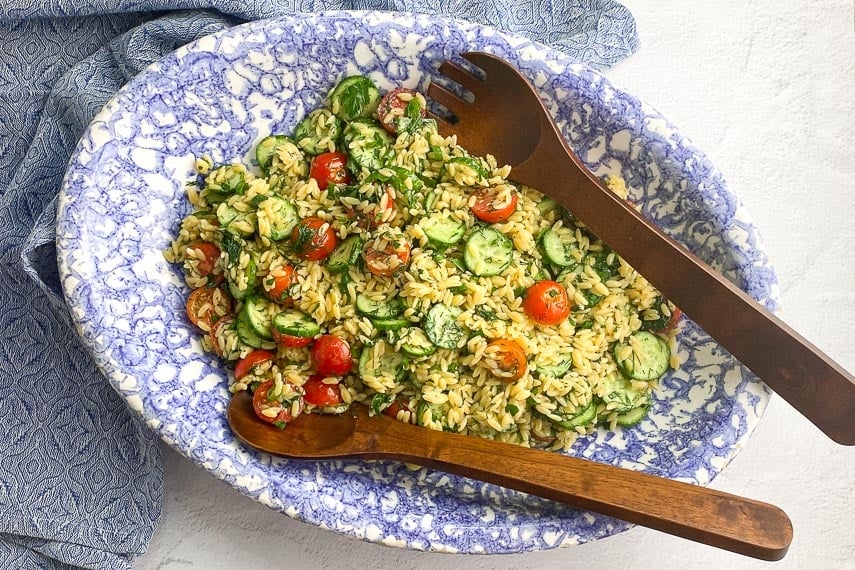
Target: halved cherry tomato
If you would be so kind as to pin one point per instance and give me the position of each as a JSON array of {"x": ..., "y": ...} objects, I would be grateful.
[
  {"x": 374, "y": 215},
  {"x": 329, "y": 168},
  {"x": 393, "y": 105},
  {"x": 396, "y": 406},
  {"x": 223, "y": 321},
  {"x": 510, "y": 358},
  {"x": 332, "y": 356},
  {"x": 202, "y": 308},
  {"x": 320, "y": 394},
  {"x": 289, "y": 341},
  {"x": 311, "y": 241},
  {"x": 211, "y": 252},
  {"x": 387, "y": 261},
  {"x": 261, "y": 403},
  {"x": 487, "y": 210},
  {"x": 676, "y": 315},
  {"x": 547, "y": 303},
  {"x": 281, "y": 283},
  {"x": 245, "y": 365}
]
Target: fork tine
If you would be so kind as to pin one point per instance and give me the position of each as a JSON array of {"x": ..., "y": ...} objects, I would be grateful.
[
  {"x": 489, "y": 63},
  {"x": 446, "y": 98},
  {"x": 461, "y": 76}
]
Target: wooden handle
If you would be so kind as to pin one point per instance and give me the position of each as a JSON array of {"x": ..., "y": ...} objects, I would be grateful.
[
  {"x": 704, "y": 515},
  {"x": 814, "y": 384}
]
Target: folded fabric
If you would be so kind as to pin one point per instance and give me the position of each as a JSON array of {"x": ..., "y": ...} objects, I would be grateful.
[{"x": 80, "y": 475}]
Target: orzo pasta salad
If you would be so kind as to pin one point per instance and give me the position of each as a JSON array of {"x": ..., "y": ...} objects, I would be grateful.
[{"x": 364, "y": 258}]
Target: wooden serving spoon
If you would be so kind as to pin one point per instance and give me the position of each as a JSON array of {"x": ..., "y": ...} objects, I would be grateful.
[
  {"x": 704, "y": 515},
  {"x": 508, "y": 120}
]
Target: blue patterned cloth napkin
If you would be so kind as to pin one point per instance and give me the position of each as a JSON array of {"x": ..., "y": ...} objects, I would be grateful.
[{"x": 80, "y": 476}]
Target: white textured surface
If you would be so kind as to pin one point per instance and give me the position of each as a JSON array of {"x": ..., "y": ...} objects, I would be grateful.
[{"x": 767, "y": 89}]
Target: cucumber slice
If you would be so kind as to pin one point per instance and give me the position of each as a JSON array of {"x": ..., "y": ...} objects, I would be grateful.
[
  {"x": 247, "y": 334},
  {"x": 546, "y": 206},
  {"x": 582, "y": 417},
  {"x": 392, "y": 364},
  {"x": 367, "y": 145},
  {"x": 318, "y": 132},
  {"x": 415, "y": 343},
  {"x": 266, "y": 148},
  {"x": 556, "y": 370},
  {"x": 616, "y": 390},
  {"x": 235, "y": 221},
  {"x": 557, "y": 247},
  {"x": 648, "y": 358},
  {"x": 345, "y": 255},
  {"x": 285, "y": 216},
  {"x": 633, "y": 416},
  {"x": 443, "y": 231},
  {"x": 251, "y": 272},
  {"x": 256, "y": 312},
  {"x": 296, "y": 323},
  {"x": 354, "y": 97},
  {"x": 391, "y": 309},
  {"x": 390, "y": 324},
  {"x": 440, "y": 326},
  {"x": 488, "y": 252}
]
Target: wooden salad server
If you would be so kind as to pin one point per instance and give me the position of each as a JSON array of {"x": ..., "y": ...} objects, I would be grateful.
[
  {"x": 704, "y": 515},
  {"x": 508, "y": 120}
]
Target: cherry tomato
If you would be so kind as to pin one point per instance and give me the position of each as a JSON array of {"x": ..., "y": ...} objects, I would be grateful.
[
  {"x": 281, "y": 283},
  {"x": 261, "y": 404},
  {"x": 331, "y": 356},
  {"x": 374, "y": 215},
  {"x": 223, "y": 321},
  {"x": 211, "y": 252},
  {"x": 387, "y": 261},
  {"x": 320, "y": 394},
  {"x": 487, "y": 210},
  {"x": 547, "y": 303},
  {"x": 396, "y": 406},
  {"x": 288, "y": 341},
  {"x": 510, "y": 357},
  {"x": 313, "y": 239},
  {"x": 204, "y": 305},
  {"x": 245, "y": 365},
  {"x": 676, "y": 315},
  {"x": 329, "y": 168},
  {"x": 393, "y": 105}
]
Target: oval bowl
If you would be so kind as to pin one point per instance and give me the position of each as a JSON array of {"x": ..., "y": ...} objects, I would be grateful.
[{"x": 123, "y": 196}]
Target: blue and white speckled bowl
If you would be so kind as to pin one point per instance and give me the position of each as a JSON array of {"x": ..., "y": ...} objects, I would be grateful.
[{"x": 123, "y": 197}]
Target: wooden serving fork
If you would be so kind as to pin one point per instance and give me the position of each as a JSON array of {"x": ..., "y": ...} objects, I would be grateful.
[{"x": 508, "y": 120}]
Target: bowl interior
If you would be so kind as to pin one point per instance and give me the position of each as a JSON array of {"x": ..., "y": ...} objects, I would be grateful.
[{"x": 124, "y": 196}]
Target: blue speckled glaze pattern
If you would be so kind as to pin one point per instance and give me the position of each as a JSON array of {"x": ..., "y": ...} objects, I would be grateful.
[{"x": 123, "y": 198}]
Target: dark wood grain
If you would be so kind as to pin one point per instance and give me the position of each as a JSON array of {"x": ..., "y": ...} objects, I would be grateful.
[
  {"x": 508, "y": 121},
  {"x": 704, "y": 515}
]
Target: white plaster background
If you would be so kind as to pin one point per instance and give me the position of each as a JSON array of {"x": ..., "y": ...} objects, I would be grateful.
[{"x": 767, "y": 89}]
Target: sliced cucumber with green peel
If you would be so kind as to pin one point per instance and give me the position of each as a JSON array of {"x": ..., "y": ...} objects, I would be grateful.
[
  {"x": 296, "y": 323},
  {"x": 389, "y": 309},
  {"x": 633, "y": 416},
  {"x": 581, "y": 417},
  {"x": 317, "y": 130},
  {"x": 488, "y": 252},
  {"x": 246, "y": 333},
  {"x": 285, "y": 217},
  {"x": 251, "y": 273},
  {"x": 266, "y": 148},
  {"x": 648, "y": 358},
  {"x": 556, "y": 370},
  {"x": 367, "y": 145},
  {"x": 345, "y": 254},
  {"x": 443, "y": 231},
  {"x": 415, "y": 343},
  {"x": 441, "y": 328},
  {"x": 557, "y": 246},
  {"x": 354, "y": 97},
  {"x": 256, "y": 312},
  {"x": 618, "y": 392},
  {"x": 394, "y": 324},
  {"x": 392, "y": 364}
]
